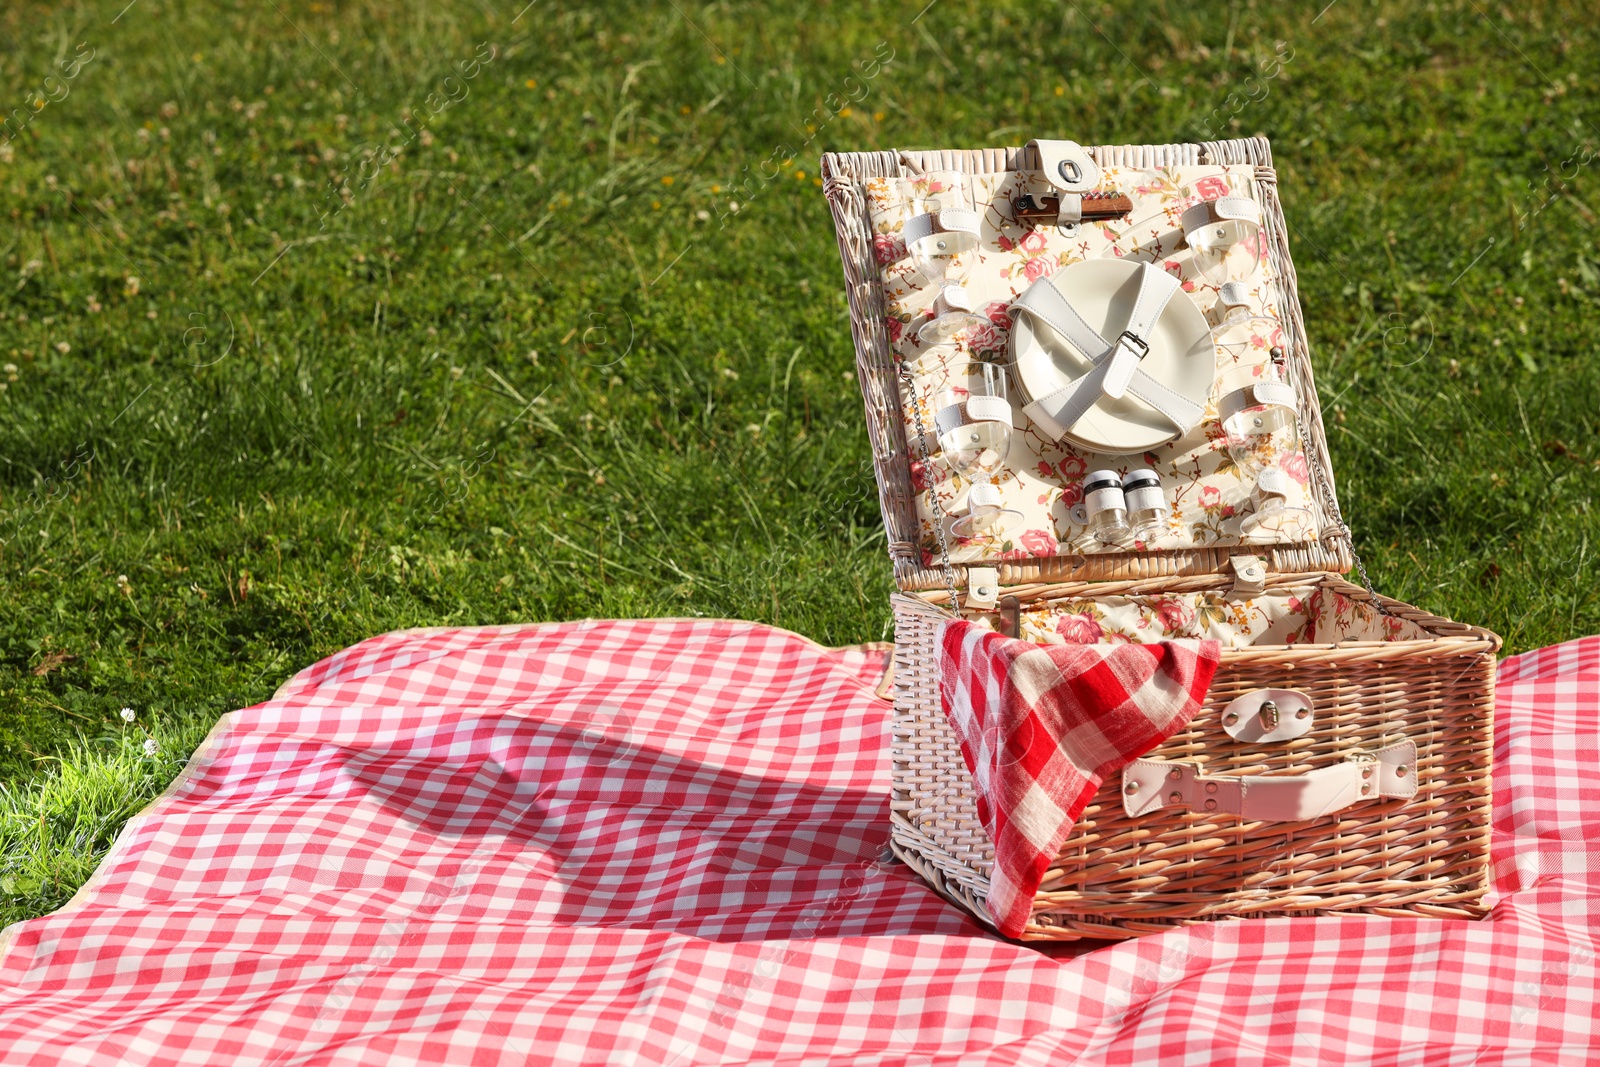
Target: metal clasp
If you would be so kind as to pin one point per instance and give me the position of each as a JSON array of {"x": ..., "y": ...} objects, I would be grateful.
[
  {"x": 1134, "y": 341},
  {"x": 1269, "y": 714}
]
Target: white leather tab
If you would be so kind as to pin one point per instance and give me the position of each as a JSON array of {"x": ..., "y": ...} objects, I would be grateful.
[
  {"x": 1067, "y": 166},
  {"x": 1234, "y": 295},
  {"x": 920, "y": 231},
  {"x": 984, "y": 495},
  {"x": 1238, "y": 209},
  {"x": 1272, "y": 481},
  {"x": 1149, "y": 785},
  {"x": 983, "y": 585},
  {"x": 952, "y": 297},
  {"x": 1250, "y": 575},
  {"x": 1069, "y": 213},
  {"x": 960, "y": 220},
  {"x": 919, "y": 228},
  {"x": 1279, "y": 393},
  {"x": 989, "y": 409},
  {"x": 1269, "y": 715},
  {"x": 950, "y": 417}
]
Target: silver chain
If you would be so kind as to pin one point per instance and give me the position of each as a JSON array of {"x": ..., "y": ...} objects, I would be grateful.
[{"x": 933, "y": 494}]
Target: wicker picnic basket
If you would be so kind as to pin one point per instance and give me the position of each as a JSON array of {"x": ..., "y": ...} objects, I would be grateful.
[{"x": 1397, "y": 674}]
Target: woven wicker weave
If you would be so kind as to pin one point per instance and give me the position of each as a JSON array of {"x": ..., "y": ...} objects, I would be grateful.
[{"x": 1120, "y": 876}]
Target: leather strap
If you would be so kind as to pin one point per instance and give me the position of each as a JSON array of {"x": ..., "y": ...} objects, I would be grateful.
[
  {"x": 1236, "y": 216},
  {"x": 920, "y": 227},
  {"x": 1150, "y": 785},
  {"x": 1113, "y": 368},
  {"x": 1066, "y": 165}
]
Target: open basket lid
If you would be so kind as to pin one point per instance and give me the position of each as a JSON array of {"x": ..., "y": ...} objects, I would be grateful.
[{"x": 1173, "y": 199}]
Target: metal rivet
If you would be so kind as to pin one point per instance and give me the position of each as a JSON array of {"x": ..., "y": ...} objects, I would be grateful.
[
  {"x": 1302, "y": 713},
  {"x": 1365, "y": 790},
  {"x": 1211, "y": 805},
  {"x": 1367, "y": 773},
  {"x": 1174, "y": 774},
  {"x": 1131, "y": 788},
  {"x": 1211, "y": 787},
  {"x": 1400, "y": 771},
  {"x": 1229, "y": 719},
  {"x": 1175, "y": 796}
]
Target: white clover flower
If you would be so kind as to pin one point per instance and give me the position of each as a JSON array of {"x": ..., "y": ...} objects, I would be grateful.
[
  {"x": 150, "y": 746},
  {"x": 127, "y": 714}
]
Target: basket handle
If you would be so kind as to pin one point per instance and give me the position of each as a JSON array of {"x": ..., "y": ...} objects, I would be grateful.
[{"x": 1149, "y": 785}]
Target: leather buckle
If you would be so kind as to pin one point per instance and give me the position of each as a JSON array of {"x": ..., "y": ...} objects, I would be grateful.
[{"x": 1134, "y": 341}]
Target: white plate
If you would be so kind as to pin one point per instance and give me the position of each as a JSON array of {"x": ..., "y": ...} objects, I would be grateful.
[{"x": 1103, "y": 292}]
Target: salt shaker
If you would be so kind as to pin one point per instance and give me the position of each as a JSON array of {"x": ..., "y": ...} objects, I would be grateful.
[
  {"x": 1146, "y": 504},
  {"x": 1106, "y": 506}
]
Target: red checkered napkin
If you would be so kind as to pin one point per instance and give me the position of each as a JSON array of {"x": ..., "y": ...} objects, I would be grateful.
[{"x": 1041, "y": 726}]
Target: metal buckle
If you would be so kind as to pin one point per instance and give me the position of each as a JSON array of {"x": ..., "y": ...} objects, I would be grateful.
[{"x": 1134, "y": 341}]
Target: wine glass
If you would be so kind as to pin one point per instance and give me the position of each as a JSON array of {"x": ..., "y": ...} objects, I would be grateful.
[
  {"x": 974, "y": 427},
  {"x": 942, "y": 240},
  {"x": 1225, "y": 237},
  {"x": 1261, "y": 430}
]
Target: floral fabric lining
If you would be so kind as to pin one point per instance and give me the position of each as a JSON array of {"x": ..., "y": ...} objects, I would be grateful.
[
  {"x": 1043, "y": 479},
  {"x": 1294, "y": 616}
]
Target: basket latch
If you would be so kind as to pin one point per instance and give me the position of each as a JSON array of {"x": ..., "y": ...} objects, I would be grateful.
[
  {"x": 1269, "y": 715},
  {"x": 1249, "y": 575}
]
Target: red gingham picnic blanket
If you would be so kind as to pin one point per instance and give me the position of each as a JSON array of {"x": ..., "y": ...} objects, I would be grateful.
[
  {"x": 659, "y": 842},
  {"x": 1041, "y": 726}
]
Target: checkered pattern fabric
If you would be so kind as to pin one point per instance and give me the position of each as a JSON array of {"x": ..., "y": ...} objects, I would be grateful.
[
  {"x": 1041, "y": 726},
  {"x": 659, "y": 843}
]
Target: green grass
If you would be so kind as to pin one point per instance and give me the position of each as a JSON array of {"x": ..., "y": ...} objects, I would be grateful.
[{"x": 537, "y": 368}]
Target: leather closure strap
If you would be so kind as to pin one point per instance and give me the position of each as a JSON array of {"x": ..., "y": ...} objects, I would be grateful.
[
  {"x": 1066, "y": 166},
  {"x": 1151, "y": 785}
]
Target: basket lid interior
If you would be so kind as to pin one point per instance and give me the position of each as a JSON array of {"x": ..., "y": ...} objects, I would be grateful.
[{"x": 874, "y": 196}]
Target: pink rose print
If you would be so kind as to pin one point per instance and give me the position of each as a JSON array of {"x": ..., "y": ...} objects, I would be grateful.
[
  {"x": 1083, "y": 629},
  {"x": 1210, "y": 496},
  {"x": 1039, "y": 543},
  {"x": 1171, "y": 614},
  {"x": 1073, "y": 467},
  {"x": 1173, "y": 268},
  {"x": 886, "y": 247},
  {"x": 1045, "y": 471},
  {"x": 1211, "y": 188},
  {"x": 1006, "y": 244},
  {"x": 985, "y": 338},
  {"x": 1072, "y": 494},
  {"x": 1038, "y": 267},
  {"x": 995, "y": 312},
  {"x": 1033, "y": 243},
  {"x": 1294, "y": 465},
  {"x": 919, "y": 476}
]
